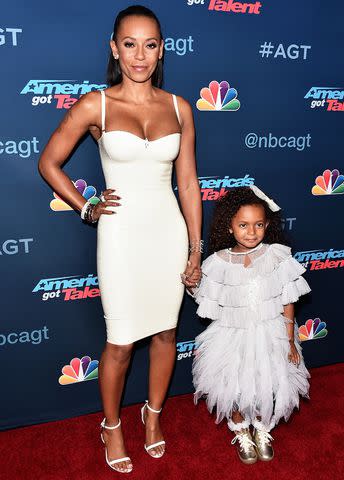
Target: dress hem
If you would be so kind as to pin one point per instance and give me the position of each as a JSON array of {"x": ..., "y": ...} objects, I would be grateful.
[{"x": 140, "y": 337}]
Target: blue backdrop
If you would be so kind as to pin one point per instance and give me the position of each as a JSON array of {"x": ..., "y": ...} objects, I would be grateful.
[{"x": 278, "y": 127}]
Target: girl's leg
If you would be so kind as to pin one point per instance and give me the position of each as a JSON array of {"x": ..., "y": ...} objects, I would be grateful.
[
  {"x": 162, "y": 355},
  {"x": 237, "y": 422},
  {"x": 262, "y": 439},
  {"x": 113, "y": 366},
  {"x": 245, "y": 447},
  {"x": 237, "y": 417}
]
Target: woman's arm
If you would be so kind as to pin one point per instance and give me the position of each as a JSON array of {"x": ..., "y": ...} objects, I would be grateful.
[
  {"x": 188, "y": 189},
  {"x": 84, "y": 115}
]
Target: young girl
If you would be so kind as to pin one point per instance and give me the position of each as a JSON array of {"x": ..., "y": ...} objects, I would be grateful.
[{"x": 248, "y": 362}]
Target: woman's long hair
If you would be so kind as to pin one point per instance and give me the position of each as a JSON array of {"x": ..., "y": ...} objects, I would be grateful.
[{"x": 114, "y": 74}]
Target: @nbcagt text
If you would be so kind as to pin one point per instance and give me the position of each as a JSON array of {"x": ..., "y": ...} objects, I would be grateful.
[{"x": 253, "y": 140}]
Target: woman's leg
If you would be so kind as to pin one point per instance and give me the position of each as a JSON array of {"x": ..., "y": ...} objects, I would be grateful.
[
  {"x": 162, "y": 355},
  {"x": 113, "y": 366}
]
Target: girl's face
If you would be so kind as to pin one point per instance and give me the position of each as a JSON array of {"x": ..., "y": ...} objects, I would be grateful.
[
  {"x": 139, "y": 47},
  {"x": 248, "y": 226}
]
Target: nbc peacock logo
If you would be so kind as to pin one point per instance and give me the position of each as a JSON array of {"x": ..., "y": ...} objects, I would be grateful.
[
  {"x": 79, "y": 370},
  {"x": 87, "y": 191},
  {"x": 312, "y": 330},
  {"x": 219, "y": 97},
  {"x": 329, "y": 183}
]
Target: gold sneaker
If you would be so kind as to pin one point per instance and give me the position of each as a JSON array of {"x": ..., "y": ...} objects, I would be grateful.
[
  {"x": 262, "y": 439},
  {"x": 246, "y": 448}
]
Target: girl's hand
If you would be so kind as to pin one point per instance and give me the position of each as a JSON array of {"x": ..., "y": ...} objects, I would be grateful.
[
  {"x": 293, "y": 355},
  {"x": 192, "y": 274},
  {"x": 109, "y": 201}
]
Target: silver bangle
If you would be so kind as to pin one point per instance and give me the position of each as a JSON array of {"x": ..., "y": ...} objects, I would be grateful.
[
  {"x": 84, "y": 209},
  {"x": 196, "y": 247},
  {"x": 87, "y": 212}
]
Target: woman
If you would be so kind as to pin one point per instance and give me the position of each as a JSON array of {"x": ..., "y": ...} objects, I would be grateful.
[{"x": 142, "y": 236}]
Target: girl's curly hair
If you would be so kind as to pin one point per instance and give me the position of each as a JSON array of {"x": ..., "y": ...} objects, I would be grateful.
[{"x": 225, "y": 209}]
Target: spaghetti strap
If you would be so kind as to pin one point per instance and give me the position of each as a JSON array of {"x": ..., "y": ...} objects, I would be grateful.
[
  {"x": 102, "y": 93},
  {"x": 175, "y": 103}
]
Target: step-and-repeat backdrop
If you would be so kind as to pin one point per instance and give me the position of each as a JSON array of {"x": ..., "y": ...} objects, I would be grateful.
[{"x": 265, "y": 80}]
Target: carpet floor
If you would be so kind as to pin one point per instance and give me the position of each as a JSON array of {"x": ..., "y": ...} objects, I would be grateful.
[{"x": 308, "y": 447}]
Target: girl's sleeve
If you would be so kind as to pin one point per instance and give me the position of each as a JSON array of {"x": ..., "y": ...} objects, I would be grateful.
[
  {"x": 207, "y": 294},
  {"x": 290, "y": 273}
]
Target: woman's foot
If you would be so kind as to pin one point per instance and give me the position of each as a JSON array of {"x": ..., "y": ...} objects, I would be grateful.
[
  {"x": 153, "y": 431},
  {"x": 115, "y": 449}
]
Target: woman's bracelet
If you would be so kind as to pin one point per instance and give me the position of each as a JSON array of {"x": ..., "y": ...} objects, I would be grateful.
[
  {"x": 196, "y": 247},
  {"x": 87, "y": 212},
  {"x": 84, "y": 209}
]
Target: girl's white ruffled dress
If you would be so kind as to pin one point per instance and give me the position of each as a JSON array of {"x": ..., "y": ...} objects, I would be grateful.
[{"x": 241, "y": 361}]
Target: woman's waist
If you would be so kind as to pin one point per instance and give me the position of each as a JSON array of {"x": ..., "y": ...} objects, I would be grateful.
[
  {"x": 138, "y": 206},
  {"x": 129, "y": 179},
  {"x": 133, "y": 189}
]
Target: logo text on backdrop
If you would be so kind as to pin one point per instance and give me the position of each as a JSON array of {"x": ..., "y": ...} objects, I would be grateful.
[{"x": 59, "y": 93}]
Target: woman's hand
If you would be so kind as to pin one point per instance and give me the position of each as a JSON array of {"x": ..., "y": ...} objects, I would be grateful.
[
  {"x": 109, "y": 201},
  {"x": 193, "y": 273},
  {"x": 293, "y": 355}
]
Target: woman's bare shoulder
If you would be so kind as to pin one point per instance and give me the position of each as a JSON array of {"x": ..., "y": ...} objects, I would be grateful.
[
  {"x": 87, "y": 109},
  {"x": 90, "y": 100}
]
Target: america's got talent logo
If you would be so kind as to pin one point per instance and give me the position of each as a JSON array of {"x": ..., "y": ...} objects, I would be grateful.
[
  {"x": 329, "y": 98},
  {"x": 320, "y": 259},
  {"x": 214, "y": 187},
  {"x": 229, "y": 6},
  {"x": 59, "y": 93},
  {"x": 186, "y": 349},
  {"x": 74, "y": 287}
]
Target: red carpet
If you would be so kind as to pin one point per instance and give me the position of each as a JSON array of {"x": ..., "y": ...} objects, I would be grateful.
[{"x": 309, "y": 447}]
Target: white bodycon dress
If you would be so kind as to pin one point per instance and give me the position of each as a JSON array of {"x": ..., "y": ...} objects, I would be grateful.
[{"x": 143, "y": 248}]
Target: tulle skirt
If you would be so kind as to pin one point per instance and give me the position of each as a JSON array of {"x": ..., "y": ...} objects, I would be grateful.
[{"x": 247, "y": 369}]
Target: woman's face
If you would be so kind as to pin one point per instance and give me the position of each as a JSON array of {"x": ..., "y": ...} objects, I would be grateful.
[{"x": 139, "y": 47}]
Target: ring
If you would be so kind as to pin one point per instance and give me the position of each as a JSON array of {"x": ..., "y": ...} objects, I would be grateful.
[
  {"x": 101, "y": 197},
  {"x": 197, "y": 284}
]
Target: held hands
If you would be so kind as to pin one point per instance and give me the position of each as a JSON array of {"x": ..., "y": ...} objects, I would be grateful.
[
  {"x": 192, "y": 274},
  {"x": 108, "y": 199},
  {"x": 293, "y": 355}
]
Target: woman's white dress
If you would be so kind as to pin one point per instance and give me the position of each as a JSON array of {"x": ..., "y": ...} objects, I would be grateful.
[
  {"x": 143, "y": 248},
  {"x": 241, "y": 362}
]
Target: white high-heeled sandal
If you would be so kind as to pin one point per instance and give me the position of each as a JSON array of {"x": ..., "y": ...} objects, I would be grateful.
[
  {"x": 112, "y": 463},
  {"x": 157, "y": 444}
]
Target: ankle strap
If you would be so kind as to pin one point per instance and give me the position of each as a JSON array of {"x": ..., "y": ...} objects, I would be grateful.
[
  {"x": 152, "y": 409},
  {"x": 110, "y": 428}
]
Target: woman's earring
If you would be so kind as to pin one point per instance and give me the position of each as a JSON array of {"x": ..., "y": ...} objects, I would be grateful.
[{"x": 116, "y": 56}]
